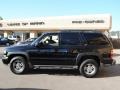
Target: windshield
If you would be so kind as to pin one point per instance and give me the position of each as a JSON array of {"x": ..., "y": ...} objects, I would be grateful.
[
  {"x": 30, "y": 39},
  {"x": 38, "y": 39}
]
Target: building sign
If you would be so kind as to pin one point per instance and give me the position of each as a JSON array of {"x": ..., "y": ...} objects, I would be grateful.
[
  {"x": 81, "y": 22},
  {"x": 88, "y": 21},
  {"x": 25, "y": 23},
  {"x": 37, "y": 23},
  {"x": 13, "y": 24}
]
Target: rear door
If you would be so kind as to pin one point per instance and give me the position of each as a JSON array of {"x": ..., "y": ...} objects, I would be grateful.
[{"x": 71, "y": 44}]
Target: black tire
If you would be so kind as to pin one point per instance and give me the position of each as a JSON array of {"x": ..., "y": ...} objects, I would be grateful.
[
  {"x": 89, "y": 68},
  {"x": 18, "y": 65}
]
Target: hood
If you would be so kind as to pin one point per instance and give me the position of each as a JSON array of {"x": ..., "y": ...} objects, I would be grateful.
[
  {"x": 19, "y": 43},
  {"x": 22, "y": 47}
]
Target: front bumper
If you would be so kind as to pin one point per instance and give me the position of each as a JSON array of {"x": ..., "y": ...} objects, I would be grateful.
[{"x": 5, "y": 60}]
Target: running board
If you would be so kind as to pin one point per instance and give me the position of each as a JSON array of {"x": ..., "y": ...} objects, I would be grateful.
[{"x": 54, "y": 67}]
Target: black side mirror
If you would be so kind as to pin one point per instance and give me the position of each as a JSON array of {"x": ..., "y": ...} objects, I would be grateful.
[{"x": 40, "y": 44}]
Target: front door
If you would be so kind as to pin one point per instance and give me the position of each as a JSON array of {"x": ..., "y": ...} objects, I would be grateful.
[{"x": 50, "y": 52}]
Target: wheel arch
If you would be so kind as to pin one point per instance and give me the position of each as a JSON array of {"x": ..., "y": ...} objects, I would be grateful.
[
  {"x": 22, "y": 54},
  {"x": 83, "y": 57}
]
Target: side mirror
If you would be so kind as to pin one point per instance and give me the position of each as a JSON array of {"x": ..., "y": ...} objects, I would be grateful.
[{"x": 40, "y": 44}]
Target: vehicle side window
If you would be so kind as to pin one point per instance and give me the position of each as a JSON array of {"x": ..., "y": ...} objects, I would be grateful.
[
  {"x": 96, "y": 39},
  {"x": 70, "y": 38},
  {"x": 51, "y": 40}
]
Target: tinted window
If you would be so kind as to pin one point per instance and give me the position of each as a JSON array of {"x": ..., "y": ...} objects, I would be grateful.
[
  {"x": 96, "y": 39},
  {"x": 14, "y": 36},
  {"x": 70, "y": 38},
  {"x": 51, "y": 40}
]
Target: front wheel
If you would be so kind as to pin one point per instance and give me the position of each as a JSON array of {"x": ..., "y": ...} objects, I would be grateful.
[
  {"x": 18, "y": 65},
  {"x": 89, "y": 68}
]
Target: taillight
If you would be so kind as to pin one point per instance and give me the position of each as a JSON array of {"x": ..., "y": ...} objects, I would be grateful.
[{"x": 111, "y": 53}]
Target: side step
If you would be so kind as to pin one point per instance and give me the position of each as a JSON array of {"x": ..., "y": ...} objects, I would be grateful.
[{"x": 54, "y": 67}]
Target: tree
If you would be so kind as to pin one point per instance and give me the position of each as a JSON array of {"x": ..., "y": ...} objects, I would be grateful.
[{"x": 1, "y": 18}]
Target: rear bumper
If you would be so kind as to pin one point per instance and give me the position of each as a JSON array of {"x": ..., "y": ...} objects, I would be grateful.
[{"x": 109, "y": 61}]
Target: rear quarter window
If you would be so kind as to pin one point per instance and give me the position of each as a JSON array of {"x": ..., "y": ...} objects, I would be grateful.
[{"x": 96, "y": 39}]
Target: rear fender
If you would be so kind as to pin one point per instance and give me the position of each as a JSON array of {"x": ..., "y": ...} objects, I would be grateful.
[{"x": 91, "y": 54}]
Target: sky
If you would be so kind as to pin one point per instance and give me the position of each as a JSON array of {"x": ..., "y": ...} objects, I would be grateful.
[{"x": 11, "y": 9}]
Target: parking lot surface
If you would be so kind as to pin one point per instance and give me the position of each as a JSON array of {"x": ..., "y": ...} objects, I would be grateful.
[{"x": 107, "y": 79}]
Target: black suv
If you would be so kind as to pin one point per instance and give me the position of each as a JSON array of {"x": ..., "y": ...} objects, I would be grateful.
[{"x": 83, "y": 50}]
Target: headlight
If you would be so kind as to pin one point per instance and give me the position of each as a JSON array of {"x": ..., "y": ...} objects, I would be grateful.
[{"x": 5, "y": 52}]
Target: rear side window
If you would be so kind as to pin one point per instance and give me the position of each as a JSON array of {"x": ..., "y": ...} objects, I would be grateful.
[
  {"x": 96, "y": 39},
  {"x": 70, "y": 38}
]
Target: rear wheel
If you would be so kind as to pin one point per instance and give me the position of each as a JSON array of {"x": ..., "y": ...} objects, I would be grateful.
[
  {"x": 89, "y": 68},
  {"x": 18, "y": 65}
]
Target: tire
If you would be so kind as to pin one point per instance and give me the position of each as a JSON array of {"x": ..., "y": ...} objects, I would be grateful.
[
  {"x": 89, "y": 68},
  {"x": 18, "y": 65}
]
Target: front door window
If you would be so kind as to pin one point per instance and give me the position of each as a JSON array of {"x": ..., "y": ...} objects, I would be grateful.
[{"x": 51, "y": 40}]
